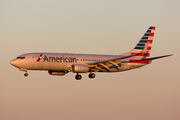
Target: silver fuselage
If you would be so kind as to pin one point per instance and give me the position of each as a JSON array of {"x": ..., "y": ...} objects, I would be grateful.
[{"x": 63, "y": 62}]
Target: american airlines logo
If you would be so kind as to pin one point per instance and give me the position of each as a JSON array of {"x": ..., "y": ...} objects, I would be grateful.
[
  {"x": 60, "y": 59},
  {"x": 39, "y": 58}
]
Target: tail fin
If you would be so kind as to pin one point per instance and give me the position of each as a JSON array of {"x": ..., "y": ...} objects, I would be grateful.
[{"x": 144, "y": 45}]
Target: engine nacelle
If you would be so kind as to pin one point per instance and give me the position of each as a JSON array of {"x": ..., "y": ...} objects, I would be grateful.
[
  {"x": 79, "y": 68},
  {"x": 55, "y": 72}
]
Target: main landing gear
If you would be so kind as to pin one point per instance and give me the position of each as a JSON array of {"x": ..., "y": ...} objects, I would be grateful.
[
  {"x": 79, "y": 77},
  {"x": 92, "y": 75}
]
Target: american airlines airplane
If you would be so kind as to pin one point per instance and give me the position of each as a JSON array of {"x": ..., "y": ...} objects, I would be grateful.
[{"x": 62, "y": 63}]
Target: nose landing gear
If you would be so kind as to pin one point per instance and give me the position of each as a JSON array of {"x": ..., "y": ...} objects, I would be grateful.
[
  {"x": 25, "y": 70},
  {"x": 26, "y": 74}
]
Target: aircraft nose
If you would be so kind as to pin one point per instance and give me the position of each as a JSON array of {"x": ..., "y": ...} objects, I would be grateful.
[{"x": 14, "y": 62}]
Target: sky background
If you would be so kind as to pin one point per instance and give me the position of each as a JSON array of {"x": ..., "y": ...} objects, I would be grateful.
[{"x": 93, "y": 27}]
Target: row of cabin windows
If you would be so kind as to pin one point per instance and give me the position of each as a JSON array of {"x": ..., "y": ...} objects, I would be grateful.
[
  {"x": 89, "y": 60},
  {"x": 20, "y": 58},
  {"x": 81, "y": 59}
]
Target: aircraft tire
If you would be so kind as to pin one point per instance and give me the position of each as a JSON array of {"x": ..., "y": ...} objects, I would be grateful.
[
  {"x": 78, "y": 77},
  {"x": 26, "y": 74},
  {"x": 92, "y": 75}
]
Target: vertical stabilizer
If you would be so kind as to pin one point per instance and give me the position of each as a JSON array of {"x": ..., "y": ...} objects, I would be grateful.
[{"x": 144, "y": 45}]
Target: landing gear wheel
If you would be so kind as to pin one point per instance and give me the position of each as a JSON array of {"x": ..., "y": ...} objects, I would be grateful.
[
  {"x": 78, "y": 77},
  {"x": 92, "y": 75},
  {"x": 26, "y": 74}
]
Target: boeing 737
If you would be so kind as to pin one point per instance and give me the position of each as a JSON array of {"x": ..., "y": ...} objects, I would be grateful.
[{"x": 62, "y": 63}]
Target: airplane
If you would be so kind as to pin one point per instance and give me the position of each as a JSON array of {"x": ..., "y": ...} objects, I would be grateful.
[{"x": 62, "y": 63}]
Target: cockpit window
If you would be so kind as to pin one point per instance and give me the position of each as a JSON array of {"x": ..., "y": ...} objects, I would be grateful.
[{"x": 20, "y": 58}]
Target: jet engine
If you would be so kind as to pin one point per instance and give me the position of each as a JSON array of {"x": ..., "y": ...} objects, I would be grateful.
[
  {"x": 79, "y": 68},
  {"x": 56, "y": 72}
]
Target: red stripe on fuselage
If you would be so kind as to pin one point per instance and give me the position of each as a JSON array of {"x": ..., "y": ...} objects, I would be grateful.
[{"x": 139, "y": 61}]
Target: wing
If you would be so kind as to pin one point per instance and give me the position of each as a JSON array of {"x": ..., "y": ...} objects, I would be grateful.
[{"x": 97, "y": 66}]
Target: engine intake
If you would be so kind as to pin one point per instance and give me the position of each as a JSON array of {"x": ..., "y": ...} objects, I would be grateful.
[{"x": 79, "y": 68}]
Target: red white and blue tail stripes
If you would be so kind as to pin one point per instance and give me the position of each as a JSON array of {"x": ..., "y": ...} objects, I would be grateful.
[{"x": 147, "y": 38}]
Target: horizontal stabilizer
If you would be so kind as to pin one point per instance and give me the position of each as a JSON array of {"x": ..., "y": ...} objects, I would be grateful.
[{"x": 153, "y": 58}]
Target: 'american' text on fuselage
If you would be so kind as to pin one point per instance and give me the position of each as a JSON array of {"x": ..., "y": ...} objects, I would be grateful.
[{"x": 60, "y": 59}]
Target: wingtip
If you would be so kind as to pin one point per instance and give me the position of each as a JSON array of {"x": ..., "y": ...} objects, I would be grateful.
[{"x": 170, "y": 55}]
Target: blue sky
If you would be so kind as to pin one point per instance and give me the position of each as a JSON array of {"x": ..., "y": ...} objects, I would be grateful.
[{"x": 93, "y": 27}]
